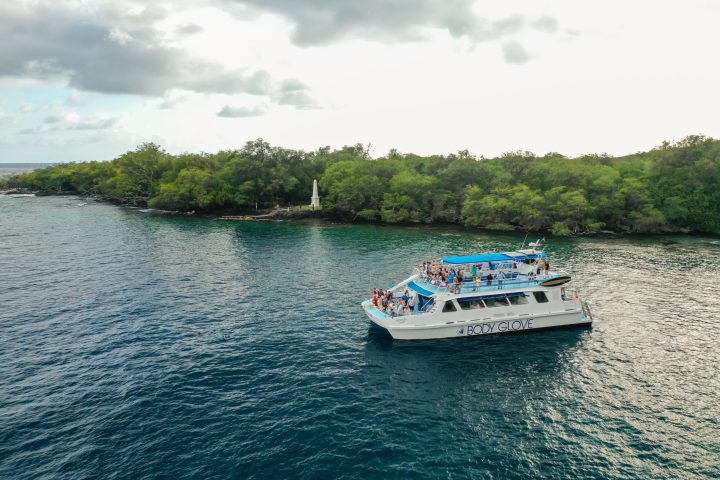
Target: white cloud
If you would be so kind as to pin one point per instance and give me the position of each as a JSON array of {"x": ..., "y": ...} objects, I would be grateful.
[
  {"x": 110, "y": 50},
  {"x": 515, "y": 53},
  {"x": 545, "y": 76},
  {"x": 74, "y": 98},
  {"x": 240, "y": 112},
  {"x": 5, "y": 119},
  {"x": 170, "y": 101},
  {"x": 119, "y": 36},
  {"x": 71, "y": 121},
  {"x": 322, "y": 22}
]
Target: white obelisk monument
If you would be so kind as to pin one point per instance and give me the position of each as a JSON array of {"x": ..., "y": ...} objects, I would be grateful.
[{"x": 315, "y": 200}]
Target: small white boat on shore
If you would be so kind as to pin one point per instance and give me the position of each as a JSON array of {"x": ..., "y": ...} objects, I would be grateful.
[{"x": 473, "y": 295}]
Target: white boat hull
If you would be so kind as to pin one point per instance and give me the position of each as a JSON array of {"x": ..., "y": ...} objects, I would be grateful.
[
  {"x": 472, "y": 328},
  {"x": 473, "y": 323}
]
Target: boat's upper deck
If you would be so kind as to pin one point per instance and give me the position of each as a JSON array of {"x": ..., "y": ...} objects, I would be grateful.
[
  {"x": 488, "y": 272},
  {"x": 424, "y": 285},
  {"x": 493, "y": 274}
]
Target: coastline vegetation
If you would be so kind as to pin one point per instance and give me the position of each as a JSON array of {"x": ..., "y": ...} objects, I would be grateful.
[{"x": 672, "y": 188}]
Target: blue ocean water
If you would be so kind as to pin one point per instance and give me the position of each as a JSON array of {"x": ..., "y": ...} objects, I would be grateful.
[{"x": 140, "y": 345}]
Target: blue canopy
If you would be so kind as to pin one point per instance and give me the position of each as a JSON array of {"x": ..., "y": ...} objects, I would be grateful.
[
  {"x": 419, "y": 289},
  {"x": 492, "y": 257},
  {"x": 488, "y": 257}
]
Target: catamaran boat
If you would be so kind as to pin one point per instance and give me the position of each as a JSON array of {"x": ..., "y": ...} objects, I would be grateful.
[{"x": 506, "y": 292}]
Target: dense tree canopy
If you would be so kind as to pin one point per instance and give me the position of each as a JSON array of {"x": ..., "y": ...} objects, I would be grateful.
[{"x": 674, "y": 187}]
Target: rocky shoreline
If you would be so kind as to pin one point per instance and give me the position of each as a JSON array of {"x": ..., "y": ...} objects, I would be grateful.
[
  {"x": 278, "y": 213},
  {"x": 18, "y": 191},
  {"x": 275, "y": 214},
  {"x": 287, "y": 213}
]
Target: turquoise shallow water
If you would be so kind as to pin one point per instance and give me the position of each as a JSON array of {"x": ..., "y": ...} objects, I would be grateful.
[{"x": 139, "y": 345}]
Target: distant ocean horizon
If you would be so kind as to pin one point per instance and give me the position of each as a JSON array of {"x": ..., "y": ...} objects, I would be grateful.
[{"x": 13, "y": 168}]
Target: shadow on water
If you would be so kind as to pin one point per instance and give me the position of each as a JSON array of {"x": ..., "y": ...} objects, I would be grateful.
[{"x": 544, "y": 352}]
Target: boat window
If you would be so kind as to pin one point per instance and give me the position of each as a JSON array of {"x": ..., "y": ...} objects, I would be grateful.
[
  {"x": 540, "y": 297},
  {"x": 449, "y": 307},
  {"x": 470, "y": 304},
  {"x": 518, "y": 300},
  {"x": 497, "y": 302},
  {"x": 424, "y": 303}
]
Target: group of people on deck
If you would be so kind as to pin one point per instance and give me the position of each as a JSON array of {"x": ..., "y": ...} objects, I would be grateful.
[
  {"x": 470, "y": 277},
  {"x": 386, "y": 302},
  {"x": 454, "y": 279}
]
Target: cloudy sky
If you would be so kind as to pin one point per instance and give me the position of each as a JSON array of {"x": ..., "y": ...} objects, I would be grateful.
[{"x": 91, "y": 79}]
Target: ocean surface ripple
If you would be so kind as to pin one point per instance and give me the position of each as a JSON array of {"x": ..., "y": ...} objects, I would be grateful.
[{"x": 140, "y": 345}]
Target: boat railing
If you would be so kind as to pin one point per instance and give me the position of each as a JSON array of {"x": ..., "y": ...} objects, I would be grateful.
[{"x": 469, "y": 285}]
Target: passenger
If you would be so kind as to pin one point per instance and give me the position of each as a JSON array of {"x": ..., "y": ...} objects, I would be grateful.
[
  {"x": 500, "y": 278},
  {"x": 411, "y": 303},
  {"x": 489, "y": 279},
  {"x": 474, "y": 271},
  {"x": 408, "y": 311},
  {"x": 478, "y": 282},
  {"x": 457, "y": 287}
]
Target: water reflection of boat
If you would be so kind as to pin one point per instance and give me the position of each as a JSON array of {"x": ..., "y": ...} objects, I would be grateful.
[{"x": 484, "y": 294}]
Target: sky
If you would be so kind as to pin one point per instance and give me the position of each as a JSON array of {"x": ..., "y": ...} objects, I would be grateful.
[{"x": 89, "y": 80}]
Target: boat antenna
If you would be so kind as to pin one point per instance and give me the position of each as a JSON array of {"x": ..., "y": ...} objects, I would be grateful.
[{"x": 523, "y": 244}]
